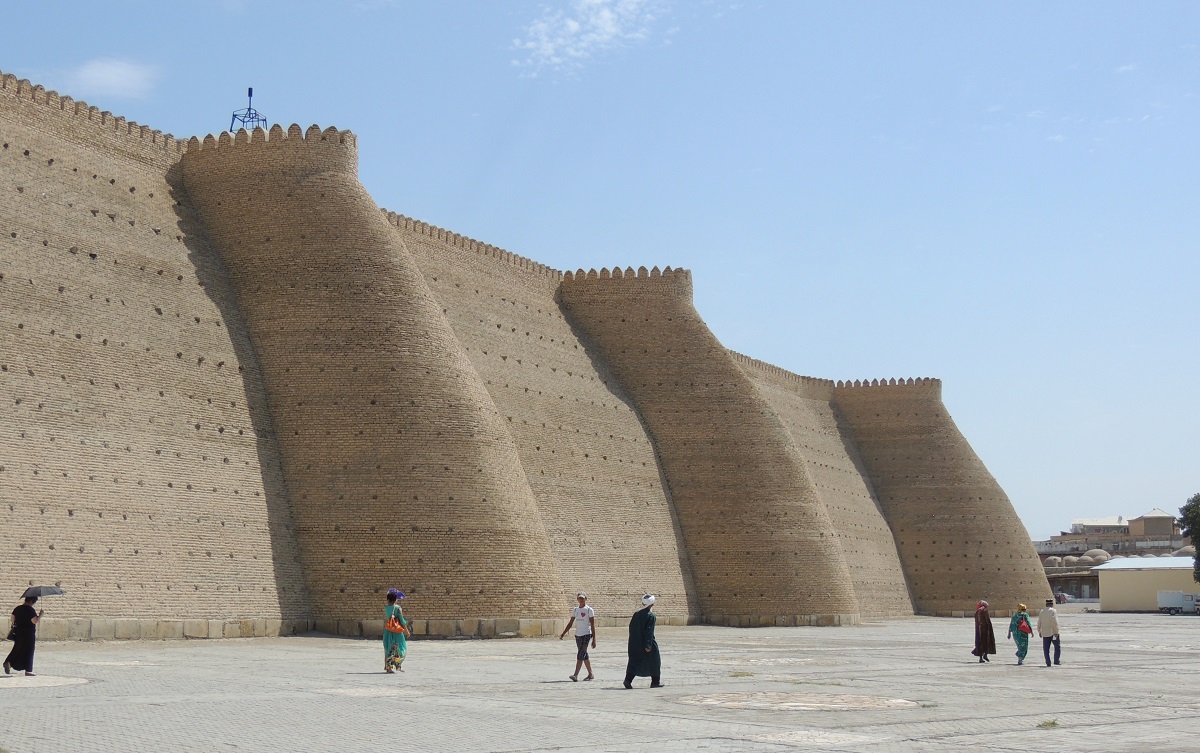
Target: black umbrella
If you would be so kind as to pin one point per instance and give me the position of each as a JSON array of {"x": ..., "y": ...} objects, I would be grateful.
[{"x": 41, "y": 591}]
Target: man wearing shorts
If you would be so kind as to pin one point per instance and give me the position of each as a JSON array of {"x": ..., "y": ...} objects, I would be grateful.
[{"x": 583, "y": 618}]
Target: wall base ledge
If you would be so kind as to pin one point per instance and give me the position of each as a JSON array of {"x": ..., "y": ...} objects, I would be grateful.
[
  {"x": 781, "y": 620},
  {"x": 141, "y": 629}
]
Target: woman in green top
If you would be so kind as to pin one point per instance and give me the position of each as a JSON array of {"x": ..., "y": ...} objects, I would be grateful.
[
  {"x": 395, "y": 645},
  {"x": 1017, "y": 634}
]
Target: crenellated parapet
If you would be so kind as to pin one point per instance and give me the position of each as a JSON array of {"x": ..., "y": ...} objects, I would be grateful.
[
  {"x": 88, "y": 118},
  {"x": 251, "y": 152},
  {"x": 675, "y": 280},
  {"x": 470, "y": 244},
  {"x": 813, "y": 387},
  {"x": 920, "y": 382}
]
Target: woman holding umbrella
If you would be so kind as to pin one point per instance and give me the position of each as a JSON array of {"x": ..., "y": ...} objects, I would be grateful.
[{"x": 24, "y": 635}]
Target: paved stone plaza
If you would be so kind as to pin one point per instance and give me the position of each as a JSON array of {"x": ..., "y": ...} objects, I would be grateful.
[{"x": 1127, "y": 683}]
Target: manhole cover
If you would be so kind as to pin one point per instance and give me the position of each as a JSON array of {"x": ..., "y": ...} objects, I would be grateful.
[
  {"x": 797, "y": 702},
  {"x": 38, "y": 681}
]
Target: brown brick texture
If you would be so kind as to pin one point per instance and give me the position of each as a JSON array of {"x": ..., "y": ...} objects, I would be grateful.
[
  {"x": 589, "y": 460},
  {"x": 138, "y": 463},
  {"x": 957, "y": 533},
  {"x": 401, "y": 470},
  {"x": 760, "y": 541},
  {"x": 831, "y": 459}
]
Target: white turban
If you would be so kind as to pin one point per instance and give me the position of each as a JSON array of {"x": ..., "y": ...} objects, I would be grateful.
[{"x": 648, "y": 599}]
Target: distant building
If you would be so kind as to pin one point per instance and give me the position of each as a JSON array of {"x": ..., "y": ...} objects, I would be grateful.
[
  {"x": 1156, "y": 532},
  {"x": 1095, "y": 526},
  {"x": 1132, "y": 584},
  {"x": 1157, "y": 522},
  {"x": 1070, "y": 558}
]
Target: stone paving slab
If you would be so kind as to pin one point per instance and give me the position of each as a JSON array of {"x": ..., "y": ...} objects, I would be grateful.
[{"x": 903, "y": 685}]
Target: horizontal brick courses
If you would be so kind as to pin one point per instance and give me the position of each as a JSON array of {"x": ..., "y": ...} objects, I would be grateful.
[
  {"x": 831, "y": 458},
  {"x": 118, "y": 338},
  {"x": 400, "y": 468},
  {"x": 588, "y": 458},
  {"x": 957, "y": 534},
  {"x": 758, "y": 538}
]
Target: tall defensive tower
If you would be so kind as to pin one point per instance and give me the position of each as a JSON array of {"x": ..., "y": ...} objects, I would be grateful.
[{"x": 387, "y": 434}]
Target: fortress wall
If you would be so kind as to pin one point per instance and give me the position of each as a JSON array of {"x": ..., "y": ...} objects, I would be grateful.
[
  {"x": 959, "y": 538},
  {"x": 81, "y": 126},
  {"x": 207, "y": 444},
  {"x": 803, "y": 404},
  {"x": 138, "y": 464},
  {"x": 589, "y": 461},
  {"x": 402, "y": 471},
  {"x": 760, "y": 542}
]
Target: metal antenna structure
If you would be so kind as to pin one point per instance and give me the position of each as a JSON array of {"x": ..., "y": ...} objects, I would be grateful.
[{"x": 248, "y": 117}]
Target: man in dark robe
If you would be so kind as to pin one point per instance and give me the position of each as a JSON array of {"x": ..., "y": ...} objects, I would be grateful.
[
  {"x": 644, "y": 659},
  {"x": 985, "y": 637}
]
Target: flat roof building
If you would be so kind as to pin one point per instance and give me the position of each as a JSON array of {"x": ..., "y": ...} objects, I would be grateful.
[{"x": 1132, "y": 584}]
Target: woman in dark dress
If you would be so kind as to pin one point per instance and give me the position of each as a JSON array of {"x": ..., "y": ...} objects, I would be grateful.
[
  {"x": 985, "y": 637},
  {"x": 644, "y": 659},
  {"x": 25, "y": 619}
]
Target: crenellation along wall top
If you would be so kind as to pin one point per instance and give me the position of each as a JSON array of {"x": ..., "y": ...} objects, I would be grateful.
[
  {"x": 470, "y": 244},
  {"x": 616, "y": 273},
  {"x": 82, "y": 112},
  {"x": 276, "y": 136},
  {"x": 919, "y": 382},
  {"x": 781, "y": 373}
]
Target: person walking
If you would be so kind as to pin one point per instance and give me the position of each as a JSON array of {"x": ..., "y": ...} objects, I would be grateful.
[
  {"x": 644, "y": 659},
  {"x": 985, "y": 637},
  {"x": 583, "y": 618},
  {"x": 1047, "y": 628},
  {"x": 24, "y": 637},
  {"x": 395, "y": 644},
  {"x": 1019, "y": 630}
]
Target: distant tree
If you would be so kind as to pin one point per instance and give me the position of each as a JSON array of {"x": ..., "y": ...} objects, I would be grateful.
[{"x": 1189, "y": 524}]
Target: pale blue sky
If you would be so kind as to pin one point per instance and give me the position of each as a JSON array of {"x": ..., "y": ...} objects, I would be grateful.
[{"x": 1002, "y": 195}]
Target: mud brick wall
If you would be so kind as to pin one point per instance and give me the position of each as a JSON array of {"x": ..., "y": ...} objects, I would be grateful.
[
  {"x": 760, "y": 542},
  {"x": 236, "y": 398},
  {"x": 957, "y": 533},
  {"x": 829, "y": 455},
  {"x": 401, "y": 470},
  {"x": 138, "y": 464},
  {"x": 589, "y": 461}
]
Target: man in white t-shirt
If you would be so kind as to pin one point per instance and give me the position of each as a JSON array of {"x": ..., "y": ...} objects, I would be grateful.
[{"x": 583, "y": 618}]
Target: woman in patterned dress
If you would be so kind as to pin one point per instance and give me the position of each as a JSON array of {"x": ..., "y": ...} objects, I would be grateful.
[
  {"x": 395, "y": 644},
  {"x": 1017, "y": 634}
]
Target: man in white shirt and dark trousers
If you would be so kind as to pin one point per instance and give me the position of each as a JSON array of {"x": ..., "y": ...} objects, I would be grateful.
[
  {"x": 1048, "y": 629},
  {"x": 583, "y": 618}
]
